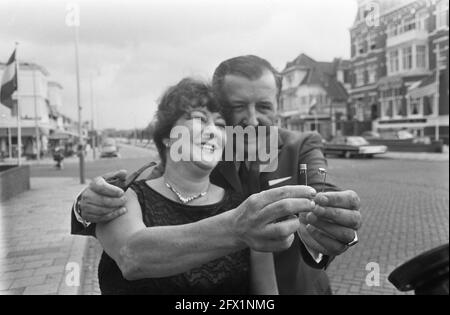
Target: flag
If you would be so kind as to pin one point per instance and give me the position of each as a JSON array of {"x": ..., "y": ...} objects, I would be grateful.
[{"x": 9, "y": 82}]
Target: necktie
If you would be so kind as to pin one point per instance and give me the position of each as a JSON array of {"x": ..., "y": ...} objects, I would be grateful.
[{"x": 249, "y": 178}]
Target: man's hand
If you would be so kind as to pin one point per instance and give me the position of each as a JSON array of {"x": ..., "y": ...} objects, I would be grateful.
[
  {"x": 102, "y": 202},
  {"x": 266, "y": 221},
  {"x": 333, "y": 223}
]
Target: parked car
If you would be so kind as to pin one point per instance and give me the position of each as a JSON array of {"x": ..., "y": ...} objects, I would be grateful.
[
  {"x": 109, "y": 148},
  {"x": 353, "y": 146},
  {"x": 404, "y": 141},
  {"x": 370, "y": 135}
]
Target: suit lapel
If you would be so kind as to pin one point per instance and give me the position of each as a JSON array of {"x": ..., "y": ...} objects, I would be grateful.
[{"x": 225, "y": 175}]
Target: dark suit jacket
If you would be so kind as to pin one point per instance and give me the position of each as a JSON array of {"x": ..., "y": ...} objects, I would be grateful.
[{"x": 296, "y": 271}]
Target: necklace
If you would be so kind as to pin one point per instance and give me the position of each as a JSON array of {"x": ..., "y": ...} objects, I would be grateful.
[{"x": 186, "y": 200}]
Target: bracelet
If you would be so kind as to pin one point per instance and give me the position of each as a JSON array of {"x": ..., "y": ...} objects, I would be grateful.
[{"x": 80, "y": 218}]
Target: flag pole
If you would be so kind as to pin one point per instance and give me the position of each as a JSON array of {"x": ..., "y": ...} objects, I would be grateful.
[{"x": 19, "y": 112}]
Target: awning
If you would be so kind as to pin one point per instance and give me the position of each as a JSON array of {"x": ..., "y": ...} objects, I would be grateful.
[
  {"x": 423, "y": 88},
  {"x": 26, "y": 131},
  {"x": 387, "y": 83},
  {"x": 62, "y": 135}
]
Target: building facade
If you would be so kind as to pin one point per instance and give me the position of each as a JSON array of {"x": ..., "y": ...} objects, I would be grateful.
[
  {"x": 314, "y": 95},
  {"x": 398, "y": 85},
  {"x": 41, "y": 119}
]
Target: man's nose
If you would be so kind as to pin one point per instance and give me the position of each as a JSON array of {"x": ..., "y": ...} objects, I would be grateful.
[{"x": 252, "y": 119}]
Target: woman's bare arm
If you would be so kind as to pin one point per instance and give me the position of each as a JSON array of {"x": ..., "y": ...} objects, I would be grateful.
[{"x": 153, "y": 252}]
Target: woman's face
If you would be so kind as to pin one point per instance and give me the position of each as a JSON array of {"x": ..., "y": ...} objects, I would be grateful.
[{"x": 201, "y": 136}]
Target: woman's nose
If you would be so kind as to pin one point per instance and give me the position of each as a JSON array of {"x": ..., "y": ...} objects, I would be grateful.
[{"x": 211, "y": 131}]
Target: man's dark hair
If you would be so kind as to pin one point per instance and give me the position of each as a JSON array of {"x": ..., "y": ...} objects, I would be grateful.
[
  {"x": 177, "y": 101},
  {"x": 250, "y": 67}
]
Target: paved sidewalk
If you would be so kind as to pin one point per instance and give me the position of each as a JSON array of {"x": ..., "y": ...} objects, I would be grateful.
[{"x": 35, "y": 241}]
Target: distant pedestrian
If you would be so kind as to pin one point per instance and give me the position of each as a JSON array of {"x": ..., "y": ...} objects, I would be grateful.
[{"x": 58, "y": 157}]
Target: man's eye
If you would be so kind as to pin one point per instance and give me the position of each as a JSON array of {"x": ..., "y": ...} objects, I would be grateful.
[
  {"x": 265, "y": 106},
  {"x": 238, "y": 106}
]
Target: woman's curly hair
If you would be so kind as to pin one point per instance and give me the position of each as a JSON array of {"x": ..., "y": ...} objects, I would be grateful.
[{"x": 178, "y": 101}]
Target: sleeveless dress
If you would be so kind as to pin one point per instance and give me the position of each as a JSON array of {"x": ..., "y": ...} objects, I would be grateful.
[{"x": 226, "y": 275}]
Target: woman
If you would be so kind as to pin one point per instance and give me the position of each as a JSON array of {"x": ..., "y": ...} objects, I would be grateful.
[{"x": 136, "y": 259}]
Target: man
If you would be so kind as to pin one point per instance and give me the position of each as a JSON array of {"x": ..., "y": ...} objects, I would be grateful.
[{"x": 248, "y": 87}]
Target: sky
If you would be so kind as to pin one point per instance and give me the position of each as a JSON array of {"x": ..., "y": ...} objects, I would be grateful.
[{"x": 133, "y": 50}]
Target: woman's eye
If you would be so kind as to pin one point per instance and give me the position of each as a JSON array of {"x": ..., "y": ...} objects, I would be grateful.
[{"x": 198, "y": 117}]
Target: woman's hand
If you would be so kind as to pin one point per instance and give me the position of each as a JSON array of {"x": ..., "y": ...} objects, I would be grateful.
[{"x": 266, "y": 221}]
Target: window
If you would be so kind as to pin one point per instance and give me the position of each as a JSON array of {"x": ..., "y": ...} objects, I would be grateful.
[
  {"x": 372, "y": 41},
  {"x": 399, "y": 111},
  {"x": 388, "y": 108},
  {"x": 421, "y": 19},
  {"x": 421, "y": 56},
  {"x": 359, "y": 74},
  {"x": 360, "y": 47},
  {"x": 442, "y": 14},
  {"x": 442, "y": 57},
  {"x": 414, "y": 106},
  {"x": 409, "y": 24},
  {"x": 428, "y": 105},
  {"x": 372, "y": 74},
  {"x": 392, "y": 30},
  {"x": 407, "y": 58},
  {"x": 393, "y": 61}
]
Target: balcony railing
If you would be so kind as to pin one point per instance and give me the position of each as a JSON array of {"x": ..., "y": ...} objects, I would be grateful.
[{"x": 415, "y": 34}]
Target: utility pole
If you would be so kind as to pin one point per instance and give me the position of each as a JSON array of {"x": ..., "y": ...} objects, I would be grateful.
[
  {"x": 93, "y": 133},
  {"x": 436, "y": 105},
  {"x": 80, "y": 122},
  {"x": 73, "y": 20}
]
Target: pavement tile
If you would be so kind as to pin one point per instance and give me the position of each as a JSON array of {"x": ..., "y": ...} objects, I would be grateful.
[
  {"x": 44, "y": 289},
  {"x": 17, "y": 274},
  {"x": 5, "y": 284},
  {"x": 50, "y": 270},
  {"x": 26, "y": 282},
  {"x": 18, "y": 291}
]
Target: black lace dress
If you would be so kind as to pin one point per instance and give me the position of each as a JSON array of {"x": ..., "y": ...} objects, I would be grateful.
[{"x": 225, "y": 275}]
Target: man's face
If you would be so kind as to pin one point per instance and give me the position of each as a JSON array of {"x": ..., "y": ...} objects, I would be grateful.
[{"x": 253, "y": 102}]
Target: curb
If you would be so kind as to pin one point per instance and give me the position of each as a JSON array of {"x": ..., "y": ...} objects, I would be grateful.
[{"x": 77, "y": 254}]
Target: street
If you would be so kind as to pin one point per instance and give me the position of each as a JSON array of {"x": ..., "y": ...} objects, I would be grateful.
[
  {"x": 404, "y": 207},
  {"x": 131, "y": 159}
]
